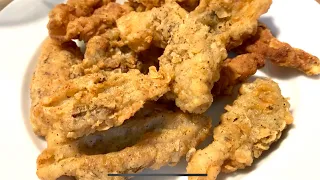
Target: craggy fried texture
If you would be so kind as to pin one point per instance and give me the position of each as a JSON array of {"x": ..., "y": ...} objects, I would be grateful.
[
  {"x": 86, "y": 7},
  {"x": 154, "y": 139},
  {"x": 73, "y": 21},
  {"x": 106, "y": 52},
  {"x": 235, "y": 71},
  {"x": 194, "y": 53},
  {"x": 98, "y": 101},
  {"x": 143, "y": 5},
  {"x": 236, "y": 17},
  {"x": 141, "y": 29},
  {"x": 52, "y": 72},
  {"x": 254, "y": 121},
  {"x": 280, "y": 53}
]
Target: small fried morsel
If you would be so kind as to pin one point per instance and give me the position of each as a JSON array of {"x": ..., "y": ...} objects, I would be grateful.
[
  {"x": 66, "y": 23},
  {"x": 254, "y": 121},
  {"x": 106, "y": 52},
  {"x": 52, "y": 72},
  {"x": 98, "y": 101},
  {"x": 280, "y": 53},
  {"x": 235, "y": 71},
  {"x": 149, "y": 140}
]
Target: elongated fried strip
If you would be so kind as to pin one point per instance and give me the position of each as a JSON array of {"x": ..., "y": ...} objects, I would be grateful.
[
  {"x": 163, "y": 138},
  {"x": 66, "y": 24},
  {"x": 52, "y": 72},
  {"x": 280, "y": 53},
  {"x": 237, "y": 70},
  {"x": 99, "y": 101},
  {"x": 254, "y": 121}
]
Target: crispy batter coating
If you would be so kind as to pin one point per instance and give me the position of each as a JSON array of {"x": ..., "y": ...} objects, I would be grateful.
[
  {"x": 148, "y": 140},
  {"x": 86, "y": 7},
  {"x": 106, "y": 52},
  {"x": 143, "y": 5},
  {"x": 280, "y": 53},
  {"x": 98, "y": 101},
  {"x": 82, "y": 21},
  {"x": 193, "y": 52},
  {"x": 254, "y": 121},
  {"x": 141, "y": 29},
  {"x": 52, "y": 72},
  {"x": 237, "y": 70}
]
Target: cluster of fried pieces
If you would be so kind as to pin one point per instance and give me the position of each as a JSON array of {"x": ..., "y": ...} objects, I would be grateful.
[{"x": 135, "y": 98}]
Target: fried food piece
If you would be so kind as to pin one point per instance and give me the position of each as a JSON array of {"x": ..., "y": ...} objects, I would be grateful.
[
  {"x": 86, "y": 7},
  {"x": 98, "y": 101},
  {"x": 254, "y": 121},
  {"x": 62, "y": 14},
  {"x": 188, "y": 5},
  {"x": 52, "y": 72},
  {"x": 280, "y": 53},
  {"x": 148, "y": 140},
  {"x": 235, "y": 71},
  {"x": 109, "y": 52},
  {"x": 106, "y": 52},
  {"x": 194, "y": 53},
  {"x": 141, "y": 29},
  {"x": 70, "y": 21}
]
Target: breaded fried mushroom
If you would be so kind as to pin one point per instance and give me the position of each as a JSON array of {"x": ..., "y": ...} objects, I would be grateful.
[
  {"x": 73, "y": 21},
  {"x": 280, "y": 53},
  {"x": 251, "y": 124},
  {"x": 98, "y": 101},
  {"x": 149, "y": 140}
]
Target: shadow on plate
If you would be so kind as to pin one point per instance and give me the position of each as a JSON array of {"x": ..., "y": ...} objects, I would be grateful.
[
  {"x": 25, "y": 101},
  {"x": 269, "y": 21},
  {"x": 282, "y": 73},
  {"x": 37, "y": 10}
]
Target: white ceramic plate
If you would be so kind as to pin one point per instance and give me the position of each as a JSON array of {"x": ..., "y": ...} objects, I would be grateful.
[{"x": 296, "y": 156}]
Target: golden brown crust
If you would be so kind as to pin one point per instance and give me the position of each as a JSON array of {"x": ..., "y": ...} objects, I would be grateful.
[
  {"x": 237, "y": 70},
  {"x": 148, "y": 140},
  {"x": 193, "y": 50},
  {"x": 251, "y": 124},
  {"x": 52, "y": 72},
  {"x": 98, "y": 101},
  {"x": 280, "y": 53},
  {"x": 142, "y": 5},
  {"x": 66, "y": 23},
  {"x": 106, "y": 52}
]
